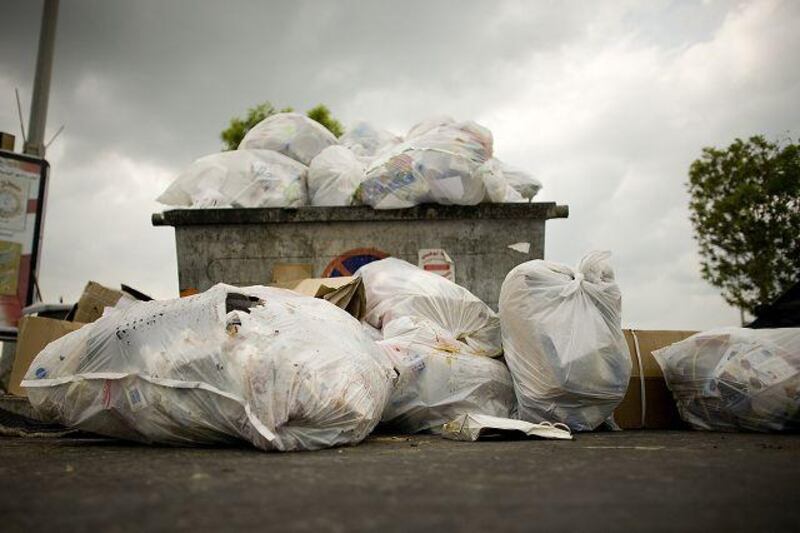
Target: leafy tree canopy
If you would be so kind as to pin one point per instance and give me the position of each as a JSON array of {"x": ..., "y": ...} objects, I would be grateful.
[
  {"x": 323, "y": 115},
  {"x": 238, "y": 127},
  {"x": 745, "y": 208}
]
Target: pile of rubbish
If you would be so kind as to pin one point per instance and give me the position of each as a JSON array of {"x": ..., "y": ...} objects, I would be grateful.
[
  {"x": 284, "y": 371},
  {"x": 729, "y": 379},
  {"x": 290, "y": 160}
]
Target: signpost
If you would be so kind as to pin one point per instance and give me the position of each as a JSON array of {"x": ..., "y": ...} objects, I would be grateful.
[{"x": 23, "y": 186}]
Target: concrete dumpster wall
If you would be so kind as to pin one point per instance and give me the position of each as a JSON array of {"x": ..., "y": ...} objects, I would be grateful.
[{"x": 241, "y": 246}]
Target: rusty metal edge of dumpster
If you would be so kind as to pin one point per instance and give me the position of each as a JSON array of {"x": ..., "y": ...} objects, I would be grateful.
[{"x": 312, "y": 214}]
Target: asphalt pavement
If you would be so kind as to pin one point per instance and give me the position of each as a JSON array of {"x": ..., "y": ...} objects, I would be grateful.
[{"x": 625, "y": 481}]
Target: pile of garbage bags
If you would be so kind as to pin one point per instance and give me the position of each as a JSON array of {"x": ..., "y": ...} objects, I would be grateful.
[
  {"x": 396, "y": 288},
  {"x": 440, "y": 378},
  {"x": 240, "y": 178},
  {"x": 440, "y": 161},
  {"x": 256, "y": 364},
  {"x": 731, "y": 379},
  {"x": 441, "y": 340},
  {"x": 284, "y": 371}
]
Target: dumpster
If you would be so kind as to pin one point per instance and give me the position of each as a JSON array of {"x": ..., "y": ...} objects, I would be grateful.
[{"x": 246, "y": 246}]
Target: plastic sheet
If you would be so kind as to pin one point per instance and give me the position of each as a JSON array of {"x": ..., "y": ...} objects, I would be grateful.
[
  {"x": 334, "y": 176},
  {"x": 240, "y": 178},
  {"x": 396, "y": 289},
  {"x": 263, "y": 365},
  {"x": 736, "y": 379},
  {"x": 440, "y": 378},
  {"x": 291, "y": 134},
  {"x": 563, "y": 341},
  {"x": 367, "y": 141},
  {"x": 438, "y": 166}
]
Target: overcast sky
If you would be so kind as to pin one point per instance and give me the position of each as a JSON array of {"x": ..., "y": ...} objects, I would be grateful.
[{"x": 606, "y": 102}]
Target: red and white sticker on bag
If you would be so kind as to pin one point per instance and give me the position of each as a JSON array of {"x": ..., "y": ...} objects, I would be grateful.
[{"x": 437, "y": 261}]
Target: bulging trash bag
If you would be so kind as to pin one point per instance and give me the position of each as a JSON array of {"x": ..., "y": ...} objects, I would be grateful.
[
  {"x": 263, "y": 365},
  {"x": 429, "y": 124},
  {"x": 506, "y": 184},
  {"x": 439, "y": 166},
  {"x": 498, "y": 190},
  {"x": 563, "y": 341},
  {"x": 522, "y": 182},
  {"x": 395, "y": 288},
  {"x": 440, "y": 378},
  {"x": 240, "y": 178},
  {"x": 334, "y": 176},
  {"x": 731, "y": 379},
  {"x": 291, "y": 134},
  {"x": 365, "y": 140}
]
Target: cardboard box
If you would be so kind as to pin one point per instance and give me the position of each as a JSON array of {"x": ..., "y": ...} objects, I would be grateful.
[
  {"x": 7, "y": 141},
  {"x": 346, "y": 292},
  {"x": 288, "y": 272},
  {"x": 94, "y": 299},
  {"x": 34, "y": 334},
  {"x": 659, "y": 407}
]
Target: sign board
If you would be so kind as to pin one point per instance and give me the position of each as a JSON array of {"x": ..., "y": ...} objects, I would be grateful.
[
  {"x": 23, "y": 182},
  {"x": 347, "y": 263},
  {"x": 437, "y": 261}
]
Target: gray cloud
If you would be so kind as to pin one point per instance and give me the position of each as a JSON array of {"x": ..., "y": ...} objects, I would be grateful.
[{"x": 608, "y": 102}]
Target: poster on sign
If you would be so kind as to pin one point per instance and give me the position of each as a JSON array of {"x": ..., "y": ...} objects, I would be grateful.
[
  {"x": 437, "y": 261},
  {"x": 22, "y": 192}
]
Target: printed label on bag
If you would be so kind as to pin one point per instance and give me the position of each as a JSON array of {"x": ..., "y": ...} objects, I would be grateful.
[{"x": 136, "y": 399}]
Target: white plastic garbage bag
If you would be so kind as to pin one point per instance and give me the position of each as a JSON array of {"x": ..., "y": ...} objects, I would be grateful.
[
  {"x": 396, "y": 289},
  {"x": 365, "y": 140},
  {"x": 291, "y": 134},
  {"x": 736, "y": 379},
  {"x": 506, "y": 184},
  {"x": 429, "y": 124},
  {"x": 438, "y": 166},
  {"x": 334, "y": 176},
  {"x": 440, "y": 378},
  {"x": 240, "y": 178},
  {"x": 498, "y": 190},
  {"x": 264, "y": 365},
  {"x": 522, "y": 182},
  {"x": 563, "y": 341}
]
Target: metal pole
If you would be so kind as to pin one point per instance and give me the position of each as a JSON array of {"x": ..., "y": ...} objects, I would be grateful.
[{"x": 41, "y": 84}]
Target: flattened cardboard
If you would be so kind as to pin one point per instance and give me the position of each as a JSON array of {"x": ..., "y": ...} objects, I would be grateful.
[
  {"x": 34, "y": 334},
  {"x": 288, "y": 272},
  {"x": 94, "y": 299},
  {"x": 346, "y": 292},
  {"x": 660, "y": 410}
]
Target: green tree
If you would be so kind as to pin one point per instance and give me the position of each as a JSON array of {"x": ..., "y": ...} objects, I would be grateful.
[
  {"x": 745, "y": 208},
  {"x": 238, "y": 127},
  {"x": 323, "y": 115}
]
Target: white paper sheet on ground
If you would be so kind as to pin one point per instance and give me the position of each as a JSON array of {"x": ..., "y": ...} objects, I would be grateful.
[{"x": 473, "y": 427}]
